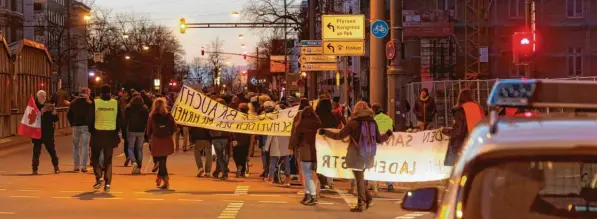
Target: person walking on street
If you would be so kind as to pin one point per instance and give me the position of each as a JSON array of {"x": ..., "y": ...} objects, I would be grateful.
[
  {"x": 123, "y": 101},
  {"x": 240, "y": 147},
  {"x": 220, "y": 142},
  {"x": 425, "y": 110},
  {"x": 384, "y": 123},
  {"x": 202, "y": 141},
  {"x": 277, "y": 146},
  {"x": 303, "y": 140},
  {"x": 105, "y": 121},
  {"x": 136, "y": 115},
  {"x": 360, "y": 156},
  {"x": 184, "y": 130},
  {"x": 77, "y": 117},
  {"x": 467, "y": 113},
  {"x": 48, "y": 118},
  {"x": 160, "y": 128}
]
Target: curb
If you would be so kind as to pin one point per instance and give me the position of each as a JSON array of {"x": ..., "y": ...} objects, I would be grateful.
[{"x": 15, "y": 141}]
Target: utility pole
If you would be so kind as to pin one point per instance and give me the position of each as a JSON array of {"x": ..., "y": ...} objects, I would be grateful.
[
  {"x": 286, "y": 65},
  {"x": 378, "y": 60},
  {"x": 313, "y": 77},
  {"x": 530, "y": 26},
  {"x": 69, "y": 45},
  {"x": 396, "y": 75}
]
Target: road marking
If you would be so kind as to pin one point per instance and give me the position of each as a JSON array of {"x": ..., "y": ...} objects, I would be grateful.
[
  {"x": 350, "y": 200},
  {"x": 150, "y": 199},
  {"x": 112, "y": 198},
  {"x": 63, "y": 197},
  {"x": 190, "y": 200},
  {"x": 72, "y": 191},
  {"x": 228, "y": 194},
  {"x": 241, "y": 190},
  {"x": 232, "y": 209},
  {"x": 6, "y": 213},
  {"x": 26, "y": 190},
  {"x": 404, "y": 217},
  {"x": 2, "y": 189},
  {"x": 120, "y": 155},
  {"x": 326, "y": 203},
  {"x": 388, "y": 199},
  {"x": 274, "y": 202},
  {"x": 23, "y": 196},
  {"x": 411, "y": 215},
  {"x": 116, "y": 192},
  {"x": 265, "y": 195}
]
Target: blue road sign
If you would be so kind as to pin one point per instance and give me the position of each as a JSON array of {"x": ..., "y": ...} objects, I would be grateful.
[
  {"x": 254, "y": 81},
  {"x": 310, "y": 42},
  {"x": 380, "y": 29}
]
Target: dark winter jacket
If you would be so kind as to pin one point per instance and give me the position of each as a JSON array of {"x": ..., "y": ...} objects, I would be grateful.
[
  {"x": 47, "y": 123},
  {"x": 136, "y": 115},
  {"x": 104, "y": 138},
  {"x": 327, "y": 117},
  {"x": 354, "y": 160},
  {"x": 199, "y": 134},
  {"x": 78, "y": 111},
  {"x": 302, "y": 138},
  {"x": 425, "y": 109}
]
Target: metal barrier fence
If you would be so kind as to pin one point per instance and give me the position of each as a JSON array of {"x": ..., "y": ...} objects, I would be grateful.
[{"x": 445, "y": 94}]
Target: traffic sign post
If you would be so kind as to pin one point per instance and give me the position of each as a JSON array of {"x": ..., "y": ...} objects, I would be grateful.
[
  {"x": 343, "y": 27},
  {"x": 390, "y": 50},
  {"x": 380, "y": 28},
  {"x": 344, "y": 48},
  {"x": 317, "y": 59},
  {"x": 319, "y": 67}
]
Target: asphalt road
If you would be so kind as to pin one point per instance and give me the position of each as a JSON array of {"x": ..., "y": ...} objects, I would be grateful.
[{"x": 70, "y": 195}]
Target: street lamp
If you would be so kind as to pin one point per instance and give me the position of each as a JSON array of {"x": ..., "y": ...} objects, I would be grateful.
[
  {"x": 97, "y": 79},
  {"x": 127, "y": 57},
  {"x": 145, "y": 48},
  {"x": 235, "y": 14},
  {"x": 243, "y": 46},
  {"x": 91, "y": 74},
  {"x": 87, "y": 17},
  {"x": 241, "y": 36},
  {"x": 125, "y": 36}
]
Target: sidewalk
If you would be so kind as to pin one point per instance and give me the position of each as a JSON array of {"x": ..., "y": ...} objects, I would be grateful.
[{"x": 18, "y": 140}]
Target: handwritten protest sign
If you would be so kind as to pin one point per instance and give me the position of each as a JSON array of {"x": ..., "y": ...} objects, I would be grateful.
[
  {"x": 406, "y": 157},
  {"x": 194, "y": 109}
]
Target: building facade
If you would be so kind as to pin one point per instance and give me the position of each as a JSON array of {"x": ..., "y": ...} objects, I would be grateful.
[{"x": 11, "y": 20}]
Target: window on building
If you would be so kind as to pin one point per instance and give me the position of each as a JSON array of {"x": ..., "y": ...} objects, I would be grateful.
[
  {"x": 446, "y": 4},
  {"x": 2, "y": 3},
  {"x": 37, "y": 6},
  {"x": 574, "y": 8},
  {"x": 574, "y": 61},
  {"x": 516, "y": 8}
]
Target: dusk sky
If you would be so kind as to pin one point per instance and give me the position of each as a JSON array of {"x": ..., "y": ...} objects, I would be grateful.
[{"x": 168, "y": 13}]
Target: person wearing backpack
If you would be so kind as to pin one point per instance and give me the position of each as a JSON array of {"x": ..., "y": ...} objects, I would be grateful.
[
  {"x": 360, "y": 156},
  {"x": 160, "y": 128}
]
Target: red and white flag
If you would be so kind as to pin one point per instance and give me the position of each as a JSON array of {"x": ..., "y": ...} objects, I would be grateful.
[{"x": 31, "y": 122}]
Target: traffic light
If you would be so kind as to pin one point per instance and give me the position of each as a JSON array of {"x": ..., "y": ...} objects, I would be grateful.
[
  {"x": 523, "y": 48},
  {"x": 245, "y": 56},
  {"x": 202, "y": 51},
  {"x": 183, "y": 25}
]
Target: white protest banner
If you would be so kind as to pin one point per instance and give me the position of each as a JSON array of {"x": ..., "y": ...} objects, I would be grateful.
[
  {"x": 194, "y": 109},
  {"x": 405, "y": 157}
]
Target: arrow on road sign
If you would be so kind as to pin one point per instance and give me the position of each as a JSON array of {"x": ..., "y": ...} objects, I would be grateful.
[
  {"x": 331, "y": 47},
  {"x": 330, "y": 26}
]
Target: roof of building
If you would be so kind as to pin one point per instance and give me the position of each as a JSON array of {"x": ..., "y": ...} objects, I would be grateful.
[{"x": 17, "y": 47}]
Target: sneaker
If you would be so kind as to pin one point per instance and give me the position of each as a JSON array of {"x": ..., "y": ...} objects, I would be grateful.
[
  {"x": 201, "y": 172},
  {"x": 127, "y": 161},
  {"x": 97, "y": 185},
  {"x": 224, "y": 177},
  {"x": 107, "y": 188},
  {"x": 34, "y": 172},
  {"x": 216, "y": 175},
  {"x": 76, "y": 169},
  {"x": 311, "y": 200},
  {"x": 390, "y": 188},
  {"x": 56, "y": 170},
  {"x": 207, "y": 175},
  {"x": 84, "y": 170}
]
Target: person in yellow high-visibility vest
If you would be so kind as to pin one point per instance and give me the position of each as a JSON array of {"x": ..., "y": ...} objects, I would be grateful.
[{"x": 106, "y": 120}]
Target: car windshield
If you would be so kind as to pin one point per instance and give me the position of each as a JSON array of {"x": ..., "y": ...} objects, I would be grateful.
[{"x": 533, "y": 189}]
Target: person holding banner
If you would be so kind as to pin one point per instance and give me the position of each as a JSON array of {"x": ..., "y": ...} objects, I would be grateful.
[
  {"x": 384, "y": 123},
  {"x": 364, "y": 136},
  {"x": 220, "y": 142},
  {"x": 302, "y": 141},
  {"x": 240, "y": 147},
  {"x": 328, "y": 120}
]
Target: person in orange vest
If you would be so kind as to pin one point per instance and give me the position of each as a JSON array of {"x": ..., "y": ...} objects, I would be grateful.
[{"x": 467, "y": 113}]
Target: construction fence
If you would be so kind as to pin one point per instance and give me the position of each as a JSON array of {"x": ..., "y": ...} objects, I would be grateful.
[{"x": 445, "y": 94}]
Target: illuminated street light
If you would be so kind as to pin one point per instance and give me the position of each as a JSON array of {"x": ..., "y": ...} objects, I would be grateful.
[
  {"x": 145, "y": 47},
  {"x": 127, "y": 57},
  {"x": 91, "y": 74},
  {"x": 97, "y": 79},
  {"x": 304, "y": 74},
  {"x": 245, "y": 52},
  {"x": 156, "y": 82},
  {"x": 125, "y": 36},
  {"x": 243, "y": 46},
  {"x": 87, "y": 17},
  {"x": 241, "y": 36},
  {"x": 228, "y": 63},
  {"x": 235, "y": 14}
]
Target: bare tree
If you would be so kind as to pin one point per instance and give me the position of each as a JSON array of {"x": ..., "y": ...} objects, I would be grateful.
[
  {"x": 215, "y": 58},
  {"x": 199, "y": 71},
  {"x": 272, "y": 11}
]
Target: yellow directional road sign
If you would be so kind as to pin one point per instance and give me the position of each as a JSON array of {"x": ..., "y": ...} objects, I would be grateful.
[
  {"x": 319, "y": 67},
  {"x": 344, "y": 48},
  {"x": 316, "y": 59},
  {"x": 343, "y": 27},
  {"x": 311, "y": 50}
]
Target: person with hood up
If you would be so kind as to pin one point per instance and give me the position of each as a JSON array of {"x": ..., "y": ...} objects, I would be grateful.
[
  {"x": 136, "y": 115},
  {"x": 160, "y": 128},
  {"x": 77, "y": 117},
  {"x": 302, "y": 140},
  {"x": 48, "y": 118},
  {"x": 467, "y": 113},
  {"x": 364, "y": 135},
  {"x": 424, "y": 110},
  {"x": 105, "y": 121}
]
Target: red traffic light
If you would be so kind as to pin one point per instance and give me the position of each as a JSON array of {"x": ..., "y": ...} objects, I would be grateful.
[
  {"x": 245, "y": 56},
  {"x": 523, "y": 47},
  {"x": 202, "y": 51},
  {"x": 525, "y": 41}
]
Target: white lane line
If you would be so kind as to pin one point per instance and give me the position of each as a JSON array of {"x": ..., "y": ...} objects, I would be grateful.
[
  {"x": 273, "y": 202},
  {"x": 63, "y": 197},
  {"x": 265, "y": 195},
  {"x": 190, "y": 200},
  {"x": 26, "y": 190},
  {"x": 232, "y": 209},
  {"x": 116, "y": 192},
  {"x": 404, "y": 217},
  {"x": 120, "y": 155},
  {"x": 113, "y": 198},
  {"x": 2, "y": 189},
  {"x": 23, "y": 196},
  {"x": 350, "y": 200},
  {"x": 227, "y": 194},
  {"x": 150, "y": 199},
  {"x": 72, "y": 191},
  {"x": 7, "y": 213},
  {"x": 326, "y": 203}
]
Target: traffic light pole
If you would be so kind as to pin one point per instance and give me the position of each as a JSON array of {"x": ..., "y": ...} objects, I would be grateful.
[
  {"x": 396, "y": 75},
  {"x": 530, "y": 26}
]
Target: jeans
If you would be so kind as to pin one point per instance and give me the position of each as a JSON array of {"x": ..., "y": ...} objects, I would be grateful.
[
  {"x": 125, "y": 135},
  {"x": 264, "y": 154},
  {"x": 185, "y": 136},
  {"x": 308, "y": 175},
  {"x": 222, "y": 156},
  {"x": 274, "y": 162},
  {"x": 135, "y": 151},
  {"x": 163, "y": 170},
  {"x": 203, "y": 145},
  {"x": 81, "y": 137},
  {"x": 50, "y": 147}
]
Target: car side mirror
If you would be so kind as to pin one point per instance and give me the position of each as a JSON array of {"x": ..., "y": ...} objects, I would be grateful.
[{"x": 423, "y": 199}]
